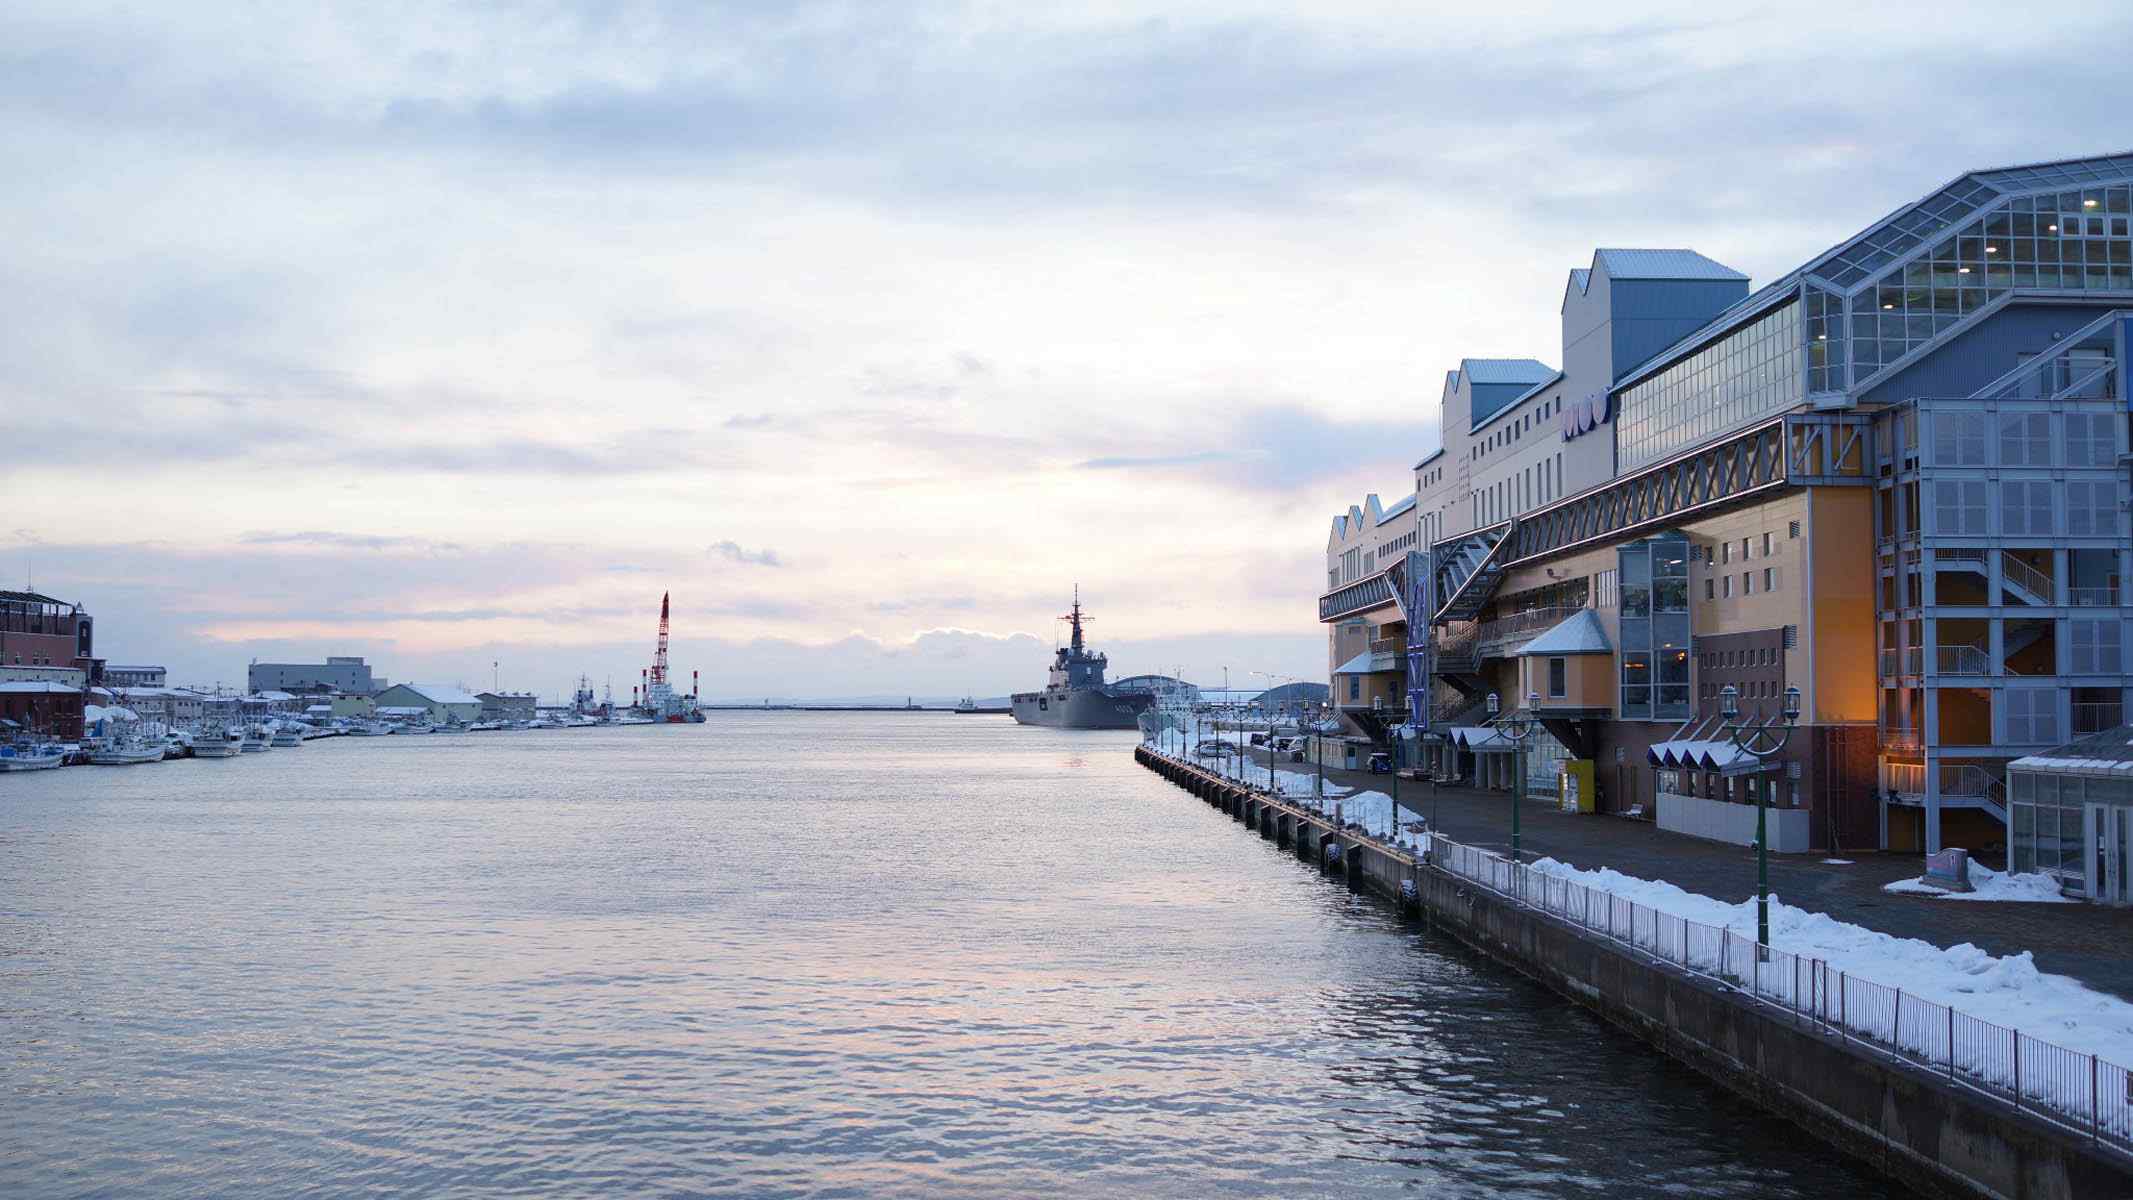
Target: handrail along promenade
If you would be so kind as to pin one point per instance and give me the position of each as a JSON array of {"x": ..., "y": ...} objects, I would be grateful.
[{"x": 2079, "y": 1092}]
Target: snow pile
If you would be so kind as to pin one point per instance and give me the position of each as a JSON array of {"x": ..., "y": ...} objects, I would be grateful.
[
  {"x": 1300, "y": 785},
  {"x": 2033, "y": 887},
  {"x": 2007, "y": 991}
]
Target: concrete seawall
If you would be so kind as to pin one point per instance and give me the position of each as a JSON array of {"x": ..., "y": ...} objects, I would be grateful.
[{"x": 1914, "y": 1125}]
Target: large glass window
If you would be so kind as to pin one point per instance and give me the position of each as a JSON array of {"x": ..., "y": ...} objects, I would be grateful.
[
  {"x": 2096, "y": 646},
  {"x": 2025, "y": 439},
  {"x": 1752, "y": 372},
  {"x": 2032, "y": 714},
  {"x": 1958, "y": 439},
  {"x": 2025, "y": 506},
  {"x": 2057, "y": 240},
  {"x": 2092, "y": 439},
  {"x": 1959, "y": 507},
  {"x": 2092, "y": 507}
]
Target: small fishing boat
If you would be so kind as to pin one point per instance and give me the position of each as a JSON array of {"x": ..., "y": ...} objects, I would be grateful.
[
  {"x": 215, "y": 741},
  {"x": 286, "y": 737},
  {"x": 126, "y": 751},
  {"x": 256, "y": 740},
  {"x": 40, "y": 757}
]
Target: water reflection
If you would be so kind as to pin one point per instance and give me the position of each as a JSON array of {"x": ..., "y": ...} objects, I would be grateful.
[{"x": 781, "y": 954}]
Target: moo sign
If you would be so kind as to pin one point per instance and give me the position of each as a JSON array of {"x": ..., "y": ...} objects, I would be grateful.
[{"x": 1587, "y": 413}]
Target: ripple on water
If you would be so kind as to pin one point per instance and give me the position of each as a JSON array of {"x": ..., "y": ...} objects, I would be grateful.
[{"x": 778, "y": 954}]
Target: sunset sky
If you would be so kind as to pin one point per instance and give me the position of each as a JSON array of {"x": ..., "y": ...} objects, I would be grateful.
[{"x": 455, "y": 335}]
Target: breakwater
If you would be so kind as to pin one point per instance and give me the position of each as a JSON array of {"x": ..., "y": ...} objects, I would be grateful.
[{"x": 1804, "y": 1060}]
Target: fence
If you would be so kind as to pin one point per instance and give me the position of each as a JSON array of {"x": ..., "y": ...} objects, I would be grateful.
[{"x": 2079, "y": 1091}]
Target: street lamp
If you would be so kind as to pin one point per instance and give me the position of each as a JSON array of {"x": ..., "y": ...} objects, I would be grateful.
[
  {"x": 1760, "y": 738},
  {"x": 1518, "y": 727}
]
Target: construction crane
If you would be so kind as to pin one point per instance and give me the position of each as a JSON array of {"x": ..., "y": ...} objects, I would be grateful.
[{"x": 658, "y": 672}]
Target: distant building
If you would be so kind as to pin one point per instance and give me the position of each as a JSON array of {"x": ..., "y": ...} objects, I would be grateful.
[
  {"x": 349, "y": 675},
  {"x": 135, "y": 677},
  {"x": 48, "y": 649},
  {"x": 507, "y": 706},
  {"x": 444, "y": 703},
  {"x": 1293, "y": 697}
]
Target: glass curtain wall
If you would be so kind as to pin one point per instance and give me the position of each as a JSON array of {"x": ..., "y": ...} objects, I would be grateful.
[
  {"x": 1752, "y": 372},
  {"x": 1654, "y": 577}
]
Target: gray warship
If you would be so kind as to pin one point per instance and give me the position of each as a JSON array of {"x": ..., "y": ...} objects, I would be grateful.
[{"x": 1077, "y": 697}]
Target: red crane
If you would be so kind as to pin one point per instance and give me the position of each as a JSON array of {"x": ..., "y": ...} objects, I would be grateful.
[{"x": 659, "y": 657}]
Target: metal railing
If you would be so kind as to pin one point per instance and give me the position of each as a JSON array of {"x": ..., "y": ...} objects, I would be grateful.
[
  {"x": 2098, "y": 716},
  {"x": 1962, "y": 660},
  {"x": 2081, "y": 1092},
  {"x": 1902, "y": 660},
  {"x": 2028, "y": 578},
  {"x": 1531, "y": 621},
  {"x": 2092, "y": 597}
]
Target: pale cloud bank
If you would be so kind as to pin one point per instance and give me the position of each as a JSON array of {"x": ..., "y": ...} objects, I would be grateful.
[{"x": 334, "y": 329}]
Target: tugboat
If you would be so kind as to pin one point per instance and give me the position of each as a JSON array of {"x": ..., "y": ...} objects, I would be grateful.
[{"x": 1076, "y": 696}]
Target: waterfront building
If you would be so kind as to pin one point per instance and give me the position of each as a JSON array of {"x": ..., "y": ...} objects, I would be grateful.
[
  {"x": 1892, "y": 478},
  {"x": 1366, "y": 646},
  {"x": 507, "y": 706},
  {"x": 442, "y": 702},
  {"x": 336, "y": 674},
  {"x": 135, "y": 677}
]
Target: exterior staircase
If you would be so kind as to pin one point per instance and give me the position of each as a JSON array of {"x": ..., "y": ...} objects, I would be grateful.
[{"x": 1469, "y": 570}]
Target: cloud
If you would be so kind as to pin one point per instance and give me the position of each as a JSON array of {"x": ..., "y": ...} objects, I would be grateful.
[
  {"x": 731, "y": 551},
  {"x": 350, "y": 541},
  {"x": 1121, "y": 462}
]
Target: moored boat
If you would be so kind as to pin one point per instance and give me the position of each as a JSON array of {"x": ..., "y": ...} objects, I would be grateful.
[
  {"x": 215, "y": 741},
  {"x": 41, "y": 757},
  {"x": 255, "y": 740}
]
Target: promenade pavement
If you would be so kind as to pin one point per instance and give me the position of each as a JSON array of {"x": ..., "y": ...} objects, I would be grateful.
[{"x": 2089, "y": 942}]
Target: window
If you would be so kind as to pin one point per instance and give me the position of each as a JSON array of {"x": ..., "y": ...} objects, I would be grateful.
[
  {"x": 2092, "y": 507},
  {"x": 1604, "y": 590},
  {"x": 1557, "y": 684},
  {"x": 2091, "y": 439},
  {"x": 1725, "y": 552},
  {"x": 1793, "y": 530},
  {"x": 1726, "y": 587},
  {"x": 1747, "y": 583},
  {"x": 2096, "y": 647},
  {"x": 1959, "y": 439},
  {"x": 2026, "y": 440},
  {"x": 1744, "y": 549},
  {"x": 2032, "y": 714},
  {"x": 1959, "y": 506},
  {"x": 1710, "y": 588},
  {"x": 2025, "y": 506},
  {"x": 1766, "y": 545},
  {"x": 1770, "y": 579},
  {"x": 1355, "y": 688}
]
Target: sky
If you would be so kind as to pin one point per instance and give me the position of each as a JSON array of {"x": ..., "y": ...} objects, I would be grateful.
[{"x": 455, "y": 335}]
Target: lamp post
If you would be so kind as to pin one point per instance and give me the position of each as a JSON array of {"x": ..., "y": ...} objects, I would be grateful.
[
  {"x": 1517, "y": 727},
  {"x": 1760, "y": 738}
]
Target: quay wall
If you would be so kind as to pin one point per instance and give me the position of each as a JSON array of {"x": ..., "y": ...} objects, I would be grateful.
[{"x": 1912, "y": 1124}]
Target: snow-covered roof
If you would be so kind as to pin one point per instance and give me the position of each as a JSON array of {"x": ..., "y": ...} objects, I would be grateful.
[
  {"x": 1582, "y": 633},
  {"x": 274, "y": 697},
  {"x": 2108, "y": 753},
  {"x": 37, "y": 687},
  {"x": 402, "y": 710},
  {"x": 1369, "y": 662},
  {"x": 1477, "y": 737},
  {"x": 440, "y": 693}
]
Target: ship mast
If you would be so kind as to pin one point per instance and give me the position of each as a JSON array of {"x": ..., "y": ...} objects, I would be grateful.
[
  {"x": 659, "y": 657},
  {"x": 1075, "y": 618}
]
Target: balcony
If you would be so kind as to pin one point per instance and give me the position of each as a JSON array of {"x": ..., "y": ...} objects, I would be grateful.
[
  {"x": 2097, "y": 717},
  {"x": 2092, "y": 597},
  {"x": 1504, "y": 634},
  {"x": 1901, "y": 661}
]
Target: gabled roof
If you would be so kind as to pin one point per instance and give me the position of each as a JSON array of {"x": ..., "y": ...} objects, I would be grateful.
[
  {"x": 1662, "y": 264},
  {"x": 1505, "y": 370},
  {"x": 440, "y": 693},
  {"x": 1406, "y": 502},
  {"x": 1581, "y": 634}
]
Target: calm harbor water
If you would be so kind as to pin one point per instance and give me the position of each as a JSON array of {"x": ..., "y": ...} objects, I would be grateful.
[{"x": 777, "y": 954}]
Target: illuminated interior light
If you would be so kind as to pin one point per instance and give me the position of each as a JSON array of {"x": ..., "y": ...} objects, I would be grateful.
[
  {"x": 1992, "y": 249},
  {"x": 2088, "y": 204},
  {"x": 1962, "y": 270}
]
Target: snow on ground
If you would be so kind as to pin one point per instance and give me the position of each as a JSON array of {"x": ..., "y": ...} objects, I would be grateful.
[
  {"x": 2033, "y": 887},
  {"x": 1836, "y": 862},
  {"x": 2008, "y": 990}
]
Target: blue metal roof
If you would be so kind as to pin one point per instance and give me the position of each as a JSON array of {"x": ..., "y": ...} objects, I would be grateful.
[
  {"x": 1661, "y": 264},
  {"x": 1581, "y": 278},
  {"x": 1505, "y": 370},
  {"x": 1406, "y": 502}
]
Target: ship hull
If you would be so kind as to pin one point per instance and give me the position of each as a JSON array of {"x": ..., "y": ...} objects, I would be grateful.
[{"x": 1085, "y": 708}]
